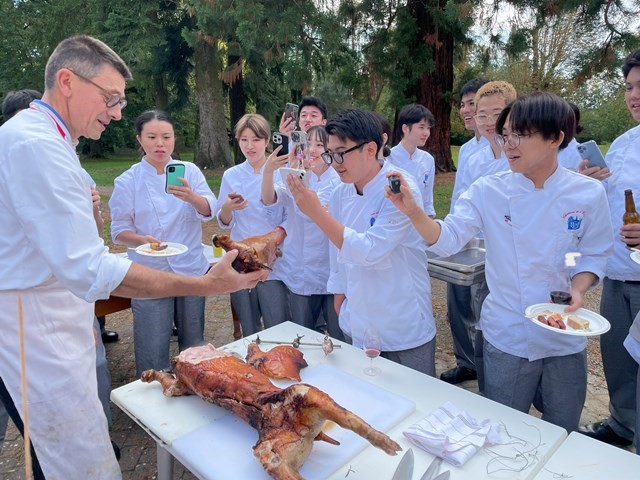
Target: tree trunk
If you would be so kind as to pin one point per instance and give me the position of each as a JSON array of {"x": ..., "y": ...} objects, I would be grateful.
[
  {"x": 212, "y": 149},
  {"x": 435, "y": 87},
  {"x": 237, "y": 106}
]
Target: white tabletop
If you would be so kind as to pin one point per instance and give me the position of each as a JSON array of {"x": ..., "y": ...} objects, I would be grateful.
[
  {"x": 584, "y": 458},
  {"x": 172, "y": 419}
]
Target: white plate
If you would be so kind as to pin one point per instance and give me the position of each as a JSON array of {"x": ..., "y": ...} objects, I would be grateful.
[
  {"x": 597, "y": 323},
  {"x": 171, "y": 250},
  {"x": 635, "y": 256}
]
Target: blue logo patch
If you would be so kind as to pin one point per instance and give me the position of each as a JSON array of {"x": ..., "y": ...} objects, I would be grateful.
[
  {"x": 574, "y": 222},
  {"x": 372, "y": 220}
]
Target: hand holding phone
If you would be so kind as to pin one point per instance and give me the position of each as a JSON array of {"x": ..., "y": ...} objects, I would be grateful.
[
  {"x": 394, "y": 183},
  {"x": 172, "y": 172},
  {"x": 291, "y": 111},
  {"x": 298, "y": 172},
  {"x": 590, "y": 151}
]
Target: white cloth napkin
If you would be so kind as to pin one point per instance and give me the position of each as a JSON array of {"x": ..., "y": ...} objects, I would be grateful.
[{"x": 452, "y": 434}]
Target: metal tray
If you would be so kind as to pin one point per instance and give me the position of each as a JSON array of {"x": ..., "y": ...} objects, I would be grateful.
[
  {"x": 455, "y": 277},
  {"x": 469, "y": 259}
]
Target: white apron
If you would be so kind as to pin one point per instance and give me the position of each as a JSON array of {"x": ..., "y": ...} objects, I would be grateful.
[{"x": 66, "y": 420}]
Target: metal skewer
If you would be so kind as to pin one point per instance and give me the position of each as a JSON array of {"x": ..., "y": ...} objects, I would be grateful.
[{"x": 295, "y": 343}]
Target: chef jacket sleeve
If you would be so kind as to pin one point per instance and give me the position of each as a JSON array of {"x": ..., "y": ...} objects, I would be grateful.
[
  {"x": 121, "y": 205},
  {"x": 337, "y": 282},
  {"x": 225, "y": 190},
  {"x": 198, "y": 184}
]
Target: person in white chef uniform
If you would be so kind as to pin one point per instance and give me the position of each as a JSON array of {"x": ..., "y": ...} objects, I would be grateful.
[
  {"x": 54, "y": 265},
  {"x": 378, "y": 272},
  {"x": 529, "y": 216}
]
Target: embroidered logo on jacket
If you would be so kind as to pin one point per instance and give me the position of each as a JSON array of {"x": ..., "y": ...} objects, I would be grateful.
[{"x": 574, "y": 220}]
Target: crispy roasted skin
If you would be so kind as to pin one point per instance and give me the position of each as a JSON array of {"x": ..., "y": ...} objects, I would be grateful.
[
  {"x": 287, "y": 420},
  {"x": 254, "y": 253},
  {"x": 282, "y": 361}
]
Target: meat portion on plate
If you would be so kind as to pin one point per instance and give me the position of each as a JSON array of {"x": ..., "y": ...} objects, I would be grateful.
[
  {"x": 288, "y": 420},
  {"x": 254, "y": 253},
  {"x": 282, "y": 361}
]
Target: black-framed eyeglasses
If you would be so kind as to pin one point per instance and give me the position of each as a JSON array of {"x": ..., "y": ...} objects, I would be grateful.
[
  {"x": 110, "y": 99},
  {"x": 338, "y": 157},
  {"x": 513, "y": 139}
]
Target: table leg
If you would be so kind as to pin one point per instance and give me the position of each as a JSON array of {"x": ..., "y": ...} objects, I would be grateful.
[
  {"x": 165, "y": 463},
  {"x": 237, "y": 329}
]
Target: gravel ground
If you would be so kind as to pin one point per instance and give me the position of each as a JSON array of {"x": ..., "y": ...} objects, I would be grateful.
[{"x": 138, "y": 449}]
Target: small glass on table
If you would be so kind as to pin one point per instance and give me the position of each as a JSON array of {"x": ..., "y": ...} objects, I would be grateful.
[{"x": 371, "y": 347}]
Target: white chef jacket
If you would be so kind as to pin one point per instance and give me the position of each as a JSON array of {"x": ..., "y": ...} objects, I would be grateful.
[
  {"x": 381, "y": 268},
  {"x": 527, "y": 232},
  {"x": 422, "y": 167},
  {"x": 256, "y": 219},
  {"x": 304, "y": 265},
  {"x": 623, "y": 159},
  {"x": 480, "y": 164},
  {"x": 569, "y": 157},
  {"x": 52, "y": 258},
  {"x": 466, "y": 151},
  {"x": 140, "y": 204}
]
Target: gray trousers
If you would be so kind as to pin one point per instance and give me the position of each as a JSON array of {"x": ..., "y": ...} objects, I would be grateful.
[
  {"x": 4, "y": 420},
  {"x": 269, "y": 301},
  {"x": 620, "y": 304},
  {"x": 103, "y": 375},
  {"x": 313, "y": 310},
  {"x": 462, "y": 322},
  {"x": 153, "y": 321},
  {"x": 637, "y": 436},
  {"x": 560, "y": 381},
  {"x": 422, "y": 358}
]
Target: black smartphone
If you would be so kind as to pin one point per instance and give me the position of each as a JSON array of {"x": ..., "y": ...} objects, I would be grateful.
[
  {"x": 278, "y": 139},
  {"x": 172, "y": 172},
  {"x": 394, "y": 183},
  {"x": 291, "y": 111}
]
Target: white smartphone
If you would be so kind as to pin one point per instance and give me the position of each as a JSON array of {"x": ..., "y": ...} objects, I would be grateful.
[
  {"x": 590, "y": 151},
  {"x": 298, "y": 172}
]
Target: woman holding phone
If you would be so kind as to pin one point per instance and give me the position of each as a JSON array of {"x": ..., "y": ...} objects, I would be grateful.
[
  {"x": 240, "y": 210},
  {"x": 147, "y": 208}
]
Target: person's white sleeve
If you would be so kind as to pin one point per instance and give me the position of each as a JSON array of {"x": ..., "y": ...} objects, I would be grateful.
[
  {"x": 198, "y": 184},
  {"x": 121, "y": 205},
  {"x": 429, "y": 207},
  {"x": 225, "y": 190},
  {"x": 337, "y": 282}
]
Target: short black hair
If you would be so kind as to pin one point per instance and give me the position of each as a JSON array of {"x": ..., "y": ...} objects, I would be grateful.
[
  {"x": 357, "y": 125},
  {"x": 313, "y": 102},
  {"x": 150, "y": 115},
  {"x": 541, "y": 112},
  {"x": 414, "y": 113},
  {"x": 630, "y": 62},
  {"x": 17, "y": 100},
  {"x": 472, "y": 86}
]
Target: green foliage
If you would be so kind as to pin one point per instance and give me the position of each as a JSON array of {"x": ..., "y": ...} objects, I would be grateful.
[{"x": 607, "y": 121}]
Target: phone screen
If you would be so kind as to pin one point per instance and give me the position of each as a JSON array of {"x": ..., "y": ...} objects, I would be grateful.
[
  {"x": 291, "y": 110},
  {"x": 172, "y": 172}
]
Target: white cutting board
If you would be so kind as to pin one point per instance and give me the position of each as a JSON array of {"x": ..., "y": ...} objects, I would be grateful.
[{"x": 223, "y": 448}]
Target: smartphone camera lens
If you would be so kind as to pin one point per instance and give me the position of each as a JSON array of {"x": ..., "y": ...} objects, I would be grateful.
[{"x": 172, "y": 169}]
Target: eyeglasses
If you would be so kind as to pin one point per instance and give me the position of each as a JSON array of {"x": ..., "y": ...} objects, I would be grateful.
[
  {"x": 483, "y": 119},
  {"x": 513, "y": 139},
  {"x": 111, "y": 99},
  {"x": 338, "y": 157}
]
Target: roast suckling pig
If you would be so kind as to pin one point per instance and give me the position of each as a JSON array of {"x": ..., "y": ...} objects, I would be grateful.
[
  {"x": 287, "y": 420},
  {"x": 254, "y": 253},
  {"x": 282, "y": 361}
]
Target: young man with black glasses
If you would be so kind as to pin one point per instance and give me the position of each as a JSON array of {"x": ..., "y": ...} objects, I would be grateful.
[
  {"x": 531, "y": 216},
  {"x": 378, "y": 264}
]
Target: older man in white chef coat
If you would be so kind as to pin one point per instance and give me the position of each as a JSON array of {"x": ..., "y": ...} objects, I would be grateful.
[
  {"x": 531, "y": 217},
  {"x": 53, "y": 263}
]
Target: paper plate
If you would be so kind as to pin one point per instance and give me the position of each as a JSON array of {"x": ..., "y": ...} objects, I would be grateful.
[
  {"x": 171, "y": 250},
  {"x": 635, "y": 256},
  {"x": 597, "y": 323}
]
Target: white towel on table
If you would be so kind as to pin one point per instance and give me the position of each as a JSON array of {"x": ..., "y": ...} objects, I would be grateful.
[{"x": 452, "y": 434}]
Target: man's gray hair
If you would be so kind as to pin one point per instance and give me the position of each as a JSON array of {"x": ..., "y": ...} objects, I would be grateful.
[{"x": 84, "y": 55}]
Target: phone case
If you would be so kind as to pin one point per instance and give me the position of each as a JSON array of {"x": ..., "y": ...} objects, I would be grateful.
[
  {"x": 291, "y": 108},
  {"x": 278, "y": 139},
  {"x": 172, "y": 172},
  {"x": 300, "y": 173},
  {"x": 300, "y": 148},
  {"x": 590, "y": 151}
]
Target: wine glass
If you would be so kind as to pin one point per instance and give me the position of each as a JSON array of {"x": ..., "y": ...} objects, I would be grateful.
[{"x": 371, "y": 347}]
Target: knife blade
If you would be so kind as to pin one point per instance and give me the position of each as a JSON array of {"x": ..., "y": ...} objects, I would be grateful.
[
  {"x": 404, "y": 470},
  {"x": 444, "y": 475},
  {"x": 432, "y": 470}
]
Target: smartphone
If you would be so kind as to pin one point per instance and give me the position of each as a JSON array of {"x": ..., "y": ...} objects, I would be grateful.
[
  {"x": 300, "y": 149},
  {"x": 590, "y": 151},
  {"x": 291, "y": 111},
  {"x": 298, "y": 172},
  {"x": 394, "y": 183},
  {"x": 172, "y": 172},
  {"x": 278, "y": 139}
]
